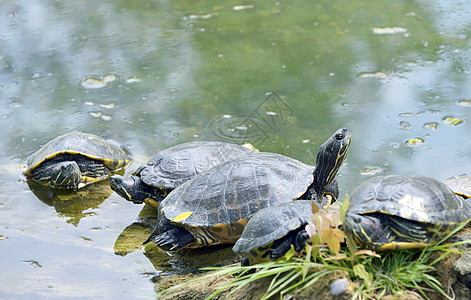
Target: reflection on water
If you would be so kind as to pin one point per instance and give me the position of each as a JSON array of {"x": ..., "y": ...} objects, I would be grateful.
[
  {"x": 156, "y": 74},
  {"x": 73, "y": 204}
]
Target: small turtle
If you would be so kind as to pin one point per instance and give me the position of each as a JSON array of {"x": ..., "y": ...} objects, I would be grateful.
[
  {"x": 214, "y": 207},
  {"x": 270, "y": 233},
  {"x": 171, "y": 167},
  {"x": 74, "y": 160},
  {"x": 406, "y": 211}
]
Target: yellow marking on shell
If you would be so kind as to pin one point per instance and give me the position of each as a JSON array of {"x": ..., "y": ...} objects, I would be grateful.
[
  {"x": 155, "y": 204},
  {"x": 182, "y": 216},
  {"x": 413, "y": 205}
]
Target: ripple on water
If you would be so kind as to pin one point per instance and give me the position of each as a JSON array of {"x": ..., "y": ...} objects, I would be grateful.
[{"x": 236, "y": 129}]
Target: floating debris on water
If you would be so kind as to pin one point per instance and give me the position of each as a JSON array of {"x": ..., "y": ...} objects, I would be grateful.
[
  {"x": 132, "y": 79},
  {"x": 388, "y": 30},
  {"x": 405, "y": 125},
  {"x": 242, "y": 7},
  {"x": 371, "y": 171},
  {"x": 452, "y": 121},
  {"x": 378, "y": 75},
  {"x": 431, "y": 125},
  {"x": 204, "y": 17},
  {"x": 464, "y": 103},
  {"x": 95, "y": 83},
  {"x": 32, "y": 263},
  {"x": 110, "y": 105},
  {"x": 95, "y": 114},
  {"x": 106, "y": 117},
  {"x": 89, "y": 103},
  {"x": 415, "y": 142},
  {"x": 410, "y": 114},
  {"x": 2, "y": 237}
]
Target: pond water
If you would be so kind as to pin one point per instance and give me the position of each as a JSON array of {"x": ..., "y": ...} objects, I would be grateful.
[{"x": 152, "y": 74}]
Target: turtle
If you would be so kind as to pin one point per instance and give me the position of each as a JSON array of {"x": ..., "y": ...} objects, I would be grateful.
[
  {"x": 270, "y": 233},
  {"x": 405, "y": 211},
  {"x": 76, "y": 159},
  {"x": 171, "y": 167},
  {"x": 214, "y": 207}
]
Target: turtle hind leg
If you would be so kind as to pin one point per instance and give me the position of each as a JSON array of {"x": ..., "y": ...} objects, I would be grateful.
[{"x": 173, "y": 239}]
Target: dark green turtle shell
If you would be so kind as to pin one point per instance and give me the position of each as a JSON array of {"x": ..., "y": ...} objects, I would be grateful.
[
  {"x": 460, "y": 184},
  {"x": 173, "y": 166},
  {"x": 112, "y": 155},
  {"x": 222, "y": 200},
  {"x": 271, "y": 224},
  {"x": 412, "y": 197}
]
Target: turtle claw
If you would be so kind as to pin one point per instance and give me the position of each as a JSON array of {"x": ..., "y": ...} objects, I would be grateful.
[{"x": 173, "y": 239}]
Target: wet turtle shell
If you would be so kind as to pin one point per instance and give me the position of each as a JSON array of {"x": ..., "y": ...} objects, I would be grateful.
[
  {"x": 215, "y": 206},
  {"x": 95, "y": 156},
  {"x": 178, "y": 164},
  {"x": 269, "y": 226},
  {"x": 171, "y": 167},
  {"x": 403, "y": 211}
]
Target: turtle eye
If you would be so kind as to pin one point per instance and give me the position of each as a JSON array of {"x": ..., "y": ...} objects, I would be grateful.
[{"x": 339, "y": 136}]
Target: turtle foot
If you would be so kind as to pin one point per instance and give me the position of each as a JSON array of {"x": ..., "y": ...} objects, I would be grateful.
[{"x": 173, "y": 239}]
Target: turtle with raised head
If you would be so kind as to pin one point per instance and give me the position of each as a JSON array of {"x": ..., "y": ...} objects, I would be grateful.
[{"x": 214, "y": 207}]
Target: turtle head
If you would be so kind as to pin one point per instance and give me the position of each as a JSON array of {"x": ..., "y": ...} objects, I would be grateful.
[
  {"x": 330, "y": 157},
  {"x": 65, "y": 175},
  {"x": 365, "y": 229},
  {"x": 133, "y": 189},
  {"x": 126, "y": 187}
]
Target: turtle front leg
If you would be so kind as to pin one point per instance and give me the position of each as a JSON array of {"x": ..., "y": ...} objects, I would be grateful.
[
  {"x": 297, "y": 238},
  {"x": 174, "y": 239}
]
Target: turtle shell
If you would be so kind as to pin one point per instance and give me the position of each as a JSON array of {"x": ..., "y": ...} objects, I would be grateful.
[
  {"x": 460, "y": 184},
  {"x": 271, "y": 224},
  {"x": 413, "y": 197},
  {"x": 112, "y": 155},
  {"x": 418, "y": 201},
  {"x": 173, "y": 166},
  {"x": 223, "y": 199}
]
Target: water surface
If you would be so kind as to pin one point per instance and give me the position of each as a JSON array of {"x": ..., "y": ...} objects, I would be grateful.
[{"x": 154, "y": 74}]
